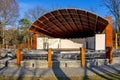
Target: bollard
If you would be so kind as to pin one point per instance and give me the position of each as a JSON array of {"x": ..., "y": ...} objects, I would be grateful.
[
  {"x": 49, "y": 58},
  {"x": 19, "y": 57},
  {"x": 82, "y": 57}
]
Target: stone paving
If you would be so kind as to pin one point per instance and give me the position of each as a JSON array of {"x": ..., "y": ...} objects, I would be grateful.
[{"x": 61, "y": 72}]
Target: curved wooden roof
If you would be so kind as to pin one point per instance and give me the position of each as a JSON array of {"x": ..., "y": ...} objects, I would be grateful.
[{"x": 69, "y": 23}]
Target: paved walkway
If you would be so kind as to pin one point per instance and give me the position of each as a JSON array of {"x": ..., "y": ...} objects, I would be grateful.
[{"x": 64, "y": 72}]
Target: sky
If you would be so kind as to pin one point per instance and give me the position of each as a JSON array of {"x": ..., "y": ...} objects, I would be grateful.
[{"x": 88, "y": 5}]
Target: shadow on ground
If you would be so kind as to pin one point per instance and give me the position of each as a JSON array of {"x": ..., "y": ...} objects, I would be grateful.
[
  {"x": 59, "y": 74},
  {"x": 105, "y": 72}
]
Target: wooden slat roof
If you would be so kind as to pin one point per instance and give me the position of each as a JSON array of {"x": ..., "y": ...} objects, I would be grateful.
[{"x": 69, "y": 23}]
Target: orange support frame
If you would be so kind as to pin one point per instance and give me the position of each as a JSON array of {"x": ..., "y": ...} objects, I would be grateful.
[
  {"x": 49, "y": 58},
  {"x": 35, "y": 41},
  {"x": 19, "y": 57},
  {"x": 109, "y": 40},
  {"x": 82, "y": 57}
]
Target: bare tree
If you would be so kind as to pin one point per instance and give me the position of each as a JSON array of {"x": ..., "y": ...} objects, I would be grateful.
[
  {"x": 34, "y": 13},
  {"x": 11, "y": 36},
  {"x": 8, "y": 13},
  {"x": 114, "y": 9}
]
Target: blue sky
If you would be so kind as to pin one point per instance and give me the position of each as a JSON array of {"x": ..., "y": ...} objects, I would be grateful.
[{"x": 89, "y": 5}]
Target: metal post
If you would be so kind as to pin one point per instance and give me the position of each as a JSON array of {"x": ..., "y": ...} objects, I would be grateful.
[
  {"x": 49, "y": 58},
  {"x": 82, "y": 57}
]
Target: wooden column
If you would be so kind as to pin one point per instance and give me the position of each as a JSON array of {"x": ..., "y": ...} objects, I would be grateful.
[
  {"x": 116, "y": 41},
  {"x": 35, "y": 41},
  {"x": 29, "y": 45},
  {"x": 109, "y": 40},
  {"x": 49, "y": 58},
  {"x": 19, "y": 57},
  {"x": 82, "y": 57}
]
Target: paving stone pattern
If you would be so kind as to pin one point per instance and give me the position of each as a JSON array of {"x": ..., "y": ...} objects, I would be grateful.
[{"x": 61, "y": 72}]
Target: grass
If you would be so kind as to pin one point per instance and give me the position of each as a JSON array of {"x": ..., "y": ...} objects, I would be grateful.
[{"x": 92, "y": 77}]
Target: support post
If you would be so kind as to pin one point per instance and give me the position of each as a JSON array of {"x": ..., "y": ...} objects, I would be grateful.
[
  {"x": 19, "y": 57},
  {"x": 14, "y": 46},
  {"x": 35, "y": 41},
  {"x": 49, "y": 58},
  {"x": 109, "y": 40},
  {"x": 21, "y": 46},
  {"x": 7, "y": 47},
  {"x": 82, "y": 57},
  {"x": 0, "y": 46},
  {"x": 29, "y": 44},
  {"x": 116, "y": 41}
]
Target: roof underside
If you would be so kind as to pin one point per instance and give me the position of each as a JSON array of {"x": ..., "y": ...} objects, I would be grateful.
[{"x": 69, "y": 23}]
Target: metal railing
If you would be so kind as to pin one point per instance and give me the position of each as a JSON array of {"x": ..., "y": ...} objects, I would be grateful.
[{"x": 71, "y": 56}]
